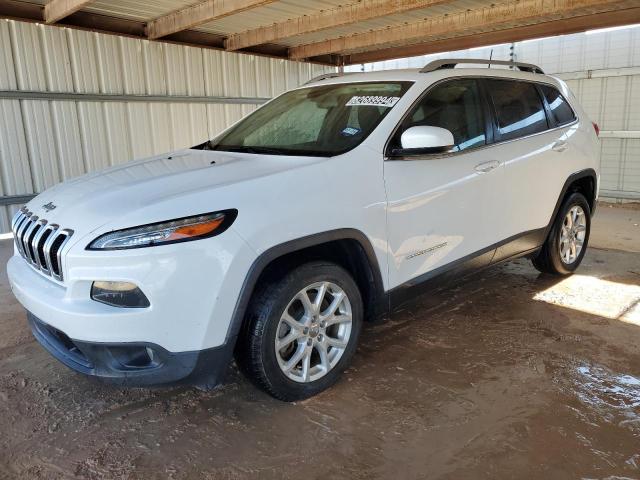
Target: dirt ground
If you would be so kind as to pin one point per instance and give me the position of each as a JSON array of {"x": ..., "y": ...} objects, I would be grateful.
[{"x": 508, "y": 375}]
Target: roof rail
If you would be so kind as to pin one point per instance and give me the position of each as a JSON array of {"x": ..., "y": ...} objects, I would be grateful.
[
  {"x": 452, "y": 62},
  {"x": 324, "y": 76}
]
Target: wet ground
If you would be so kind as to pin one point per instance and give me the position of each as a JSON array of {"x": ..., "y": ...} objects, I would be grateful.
[{"x": 508, "y": 375}]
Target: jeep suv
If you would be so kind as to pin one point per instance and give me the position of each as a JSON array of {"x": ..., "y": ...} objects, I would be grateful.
[{"x": 327, "y": 207}]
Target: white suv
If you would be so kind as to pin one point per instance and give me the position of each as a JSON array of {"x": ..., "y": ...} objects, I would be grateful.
[{"x": 328, "y": 206}]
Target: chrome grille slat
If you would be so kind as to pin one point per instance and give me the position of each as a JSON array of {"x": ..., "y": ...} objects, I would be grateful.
[
  {"x": 58, "y": 254},
  {"x": 47, "y": 247},
  {"x": 18, "y": 225},
  {"x": 19, "y": 234},
  {"x": 34, "y": 243},
  {"x": 18, "y": 217},
  {"x": 27, "y": 235}
]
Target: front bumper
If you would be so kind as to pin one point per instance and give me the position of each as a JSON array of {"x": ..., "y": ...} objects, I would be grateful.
[
  {"x": 192, "y": 288},
  {"x": 183, "y": 336},
  {"x": 134, "y": 364}
]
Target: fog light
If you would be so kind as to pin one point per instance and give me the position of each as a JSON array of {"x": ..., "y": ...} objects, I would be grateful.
[{"x": 119, "y": 294}]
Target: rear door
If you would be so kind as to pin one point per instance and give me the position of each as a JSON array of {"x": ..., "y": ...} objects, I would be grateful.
[
  {"x": 442, "y": 207},
  {"x": 530, "y": 148}
]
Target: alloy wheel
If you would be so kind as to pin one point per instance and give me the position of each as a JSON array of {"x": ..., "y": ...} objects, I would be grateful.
[
  {"x": 572, "y": 234},
  {"x": 313, "y": 332}
]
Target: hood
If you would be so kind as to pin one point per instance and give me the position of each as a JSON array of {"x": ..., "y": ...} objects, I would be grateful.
[{"x": 116, "y": 194}]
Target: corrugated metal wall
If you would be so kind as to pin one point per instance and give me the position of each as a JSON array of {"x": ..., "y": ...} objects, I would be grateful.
[
  {"x": 602, "y": 69},
  {"x": 45, "y": 141}
]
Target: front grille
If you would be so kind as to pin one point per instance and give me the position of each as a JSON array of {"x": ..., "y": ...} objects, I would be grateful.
[{"x": 40, "y": 243}]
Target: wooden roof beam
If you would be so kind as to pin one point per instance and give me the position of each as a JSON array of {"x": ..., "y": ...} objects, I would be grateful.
[
  {"x": 517, "y": 34},
  {"x": 195, "y": 15},
  {"x": 58, "y": 9},
  {"x": 89, "y": 21},
  {"x": 334, "y": 17},
  {"x": 523, "y": 12}
]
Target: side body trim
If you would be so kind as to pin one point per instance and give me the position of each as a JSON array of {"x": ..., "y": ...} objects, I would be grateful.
[{"x": 516, "y": 246}]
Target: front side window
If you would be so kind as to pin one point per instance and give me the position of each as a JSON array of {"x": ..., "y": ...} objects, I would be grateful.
[
  {"x": 560, "y": 108},
  {"x": 519, "y": 109},
  {"x": 317, "y": 121},
  {"x": 455, "y": 105}
]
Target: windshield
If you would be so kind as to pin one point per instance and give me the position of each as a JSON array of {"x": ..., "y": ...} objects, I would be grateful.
[{"x": 316, "y": 121}]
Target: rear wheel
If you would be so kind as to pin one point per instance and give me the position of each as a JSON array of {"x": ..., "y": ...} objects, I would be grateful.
[
  {"x": 566, "y": 244},
  {"x": 302, "y": 331}
]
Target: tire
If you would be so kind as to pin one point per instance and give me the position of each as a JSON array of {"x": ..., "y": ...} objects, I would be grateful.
[
  {"x": 550, "y": 259},
  {"x": 275, "y": 370}
]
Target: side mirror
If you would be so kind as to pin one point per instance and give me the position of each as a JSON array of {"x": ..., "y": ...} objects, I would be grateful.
[{"x": 424, "y": 140}]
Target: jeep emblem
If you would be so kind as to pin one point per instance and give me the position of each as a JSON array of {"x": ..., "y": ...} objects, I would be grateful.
[{"x": 49, "y": 206}]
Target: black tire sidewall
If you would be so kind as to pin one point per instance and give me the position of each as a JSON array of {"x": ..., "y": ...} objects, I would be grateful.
[
  {"x": 575, "y": 199},
  {"x": 289, "y": 287}
]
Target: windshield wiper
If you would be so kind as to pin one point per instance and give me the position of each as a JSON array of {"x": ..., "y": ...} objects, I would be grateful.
[
  {"x": 203, "y": 146},
  {"x": 249, "y": 149},
  {"x": 302, "y": 152}
]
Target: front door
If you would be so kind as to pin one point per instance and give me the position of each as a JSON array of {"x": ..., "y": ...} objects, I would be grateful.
[{"x": 442, "y": 209}]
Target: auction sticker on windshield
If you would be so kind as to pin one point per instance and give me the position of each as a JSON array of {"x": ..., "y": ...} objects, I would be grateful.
[{"x": 373, "y": 101}]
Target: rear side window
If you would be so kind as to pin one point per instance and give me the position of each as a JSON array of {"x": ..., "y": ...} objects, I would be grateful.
[
  {"x": 519, "y": 108},
  {"x": 561, "y": 111},
  {"x": 455, "y": 105}
]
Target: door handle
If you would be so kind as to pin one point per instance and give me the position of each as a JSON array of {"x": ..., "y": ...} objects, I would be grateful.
[
  {"x": 486, "y": 167},
  {"x": 559, "y": 146}
]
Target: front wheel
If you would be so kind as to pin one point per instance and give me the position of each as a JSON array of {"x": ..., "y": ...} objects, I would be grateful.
[
  {"x": 566, "y": 244},
  {"x": 302, "y": 331}
]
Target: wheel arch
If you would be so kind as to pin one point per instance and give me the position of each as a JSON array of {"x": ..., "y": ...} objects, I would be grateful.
[
  {"x": 586, "y": 182},
  {"x": 349, "y": 248}
]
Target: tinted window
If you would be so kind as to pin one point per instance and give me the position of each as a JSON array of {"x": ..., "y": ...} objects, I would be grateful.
[
  {"x": 560, "y": 109},
  {"x": 518, "y": 107},
  {"x": 454, "y": 105}
]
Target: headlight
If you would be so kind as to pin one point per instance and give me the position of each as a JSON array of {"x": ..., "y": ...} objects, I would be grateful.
[{"x": 163, "y": 233}]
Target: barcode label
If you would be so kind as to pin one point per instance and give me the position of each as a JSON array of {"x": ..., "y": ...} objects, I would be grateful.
[{"x": 373, "y": 101}]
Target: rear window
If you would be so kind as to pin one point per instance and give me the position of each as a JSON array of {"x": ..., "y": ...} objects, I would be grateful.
[
  {"x": 519, "y": 109},
  {"x": 560, "y": 109}
]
